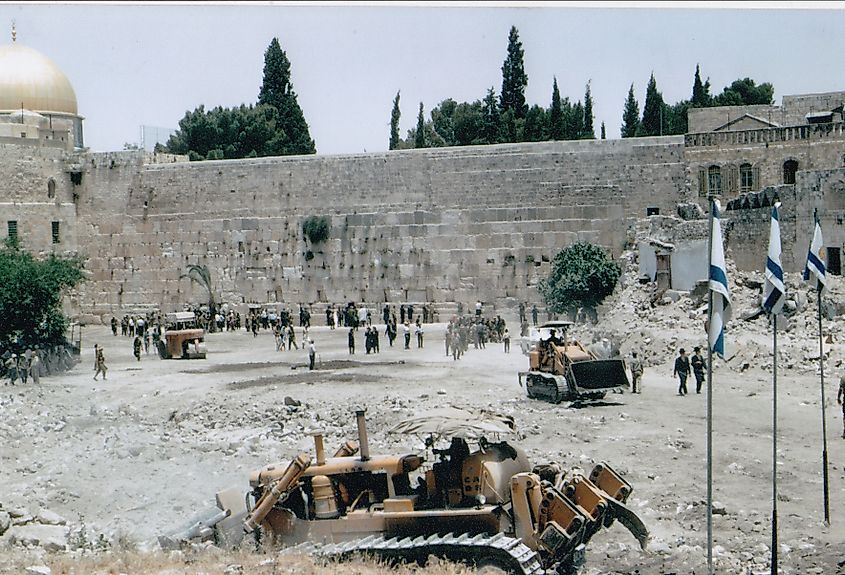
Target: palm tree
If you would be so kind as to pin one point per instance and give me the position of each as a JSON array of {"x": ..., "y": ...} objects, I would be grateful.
[{"x": 201, "y": 275}]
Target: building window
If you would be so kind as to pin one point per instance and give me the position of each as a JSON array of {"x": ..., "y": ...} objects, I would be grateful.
[
  {"x": 714, "y": 180},
  {"x": 23, "y": 134},
  {"x": 789, "y": 169},
  {"x": 56, "y": 237},
  {"x": 652, "y": 211},
  {"x": 12, "y": 230},
  {"x": 51, "y": 188},
  {"x": 746, "y": 178}
]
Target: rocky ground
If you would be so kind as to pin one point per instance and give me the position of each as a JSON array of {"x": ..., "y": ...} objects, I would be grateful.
[{"x": 92, "y": 471}]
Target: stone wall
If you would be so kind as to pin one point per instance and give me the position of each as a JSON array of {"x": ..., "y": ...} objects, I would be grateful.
[
  {"x": 816, "y": 147},
  {"x": 455, "y": 224}
]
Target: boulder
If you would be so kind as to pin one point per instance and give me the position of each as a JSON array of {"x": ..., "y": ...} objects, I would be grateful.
[
  {"x": 48, "y": 517},
  {"x": 5, "y": 522},
  {"x": 48, "y": 537}
]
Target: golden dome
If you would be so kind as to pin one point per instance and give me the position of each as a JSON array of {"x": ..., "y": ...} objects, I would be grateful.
[{"x": 30, "y": 80}]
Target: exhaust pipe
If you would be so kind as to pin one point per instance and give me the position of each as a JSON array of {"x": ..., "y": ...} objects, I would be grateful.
[
  {"x": 362, "y": 435},
  {"x": 318, "y": 446}
]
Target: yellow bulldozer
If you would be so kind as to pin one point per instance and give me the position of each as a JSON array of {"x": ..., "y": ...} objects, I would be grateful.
[
  {"x": 182, "y": 338},
  {"x": 562, "y": 369},
  {"x": 486, "y": 507}
]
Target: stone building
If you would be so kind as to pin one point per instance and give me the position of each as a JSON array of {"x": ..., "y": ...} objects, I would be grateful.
[{"x": 442, "y": 225}]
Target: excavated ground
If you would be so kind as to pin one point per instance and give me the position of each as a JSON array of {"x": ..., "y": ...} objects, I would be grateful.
[{"x": 131, "y": 457}]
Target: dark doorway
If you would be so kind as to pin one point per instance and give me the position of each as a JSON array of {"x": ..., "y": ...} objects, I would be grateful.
[
  {"x": 652, "y": 211},
  {"x": 834, "y": 261}
]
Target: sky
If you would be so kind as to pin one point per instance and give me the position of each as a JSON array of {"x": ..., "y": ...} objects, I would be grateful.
[{"x": 137, "y": 64}]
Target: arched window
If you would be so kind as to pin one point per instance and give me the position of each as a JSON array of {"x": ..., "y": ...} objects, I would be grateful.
[
  {"x": 51, "y": 188},
  {"x": 789, "y": 169},
  {"x": 714, "y": 180},
  {"x": 746, "y": 178}
]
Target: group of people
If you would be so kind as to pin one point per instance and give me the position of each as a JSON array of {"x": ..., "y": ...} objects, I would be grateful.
[
  {"x": 23, "y": 366},
  {"x": 463, "y": 328},
  {"x": 685, "y": 364}
]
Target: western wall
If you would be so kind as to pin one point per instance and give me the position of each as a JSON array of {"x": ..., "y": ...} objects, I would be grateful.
[{"x": 439, "y": 225}]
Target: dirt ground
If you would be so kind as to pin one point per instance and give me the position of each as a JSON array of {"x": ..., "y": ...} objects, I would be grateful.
[{"x": 136, "y": 455}]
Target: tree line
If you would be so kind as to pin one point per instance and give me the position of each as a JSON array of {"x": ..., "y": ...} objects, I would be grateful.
[
  {"x": 274, "y": 126},
  {"x": 508, "y": 118}
]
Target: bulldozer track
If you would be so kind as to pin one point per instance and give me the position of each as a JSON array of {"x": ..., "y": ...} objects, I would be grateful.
[{"x": 505, "y": 552}]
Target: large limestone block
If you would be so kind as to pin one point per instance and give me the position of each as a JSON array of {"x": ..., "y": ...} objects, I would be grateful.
[{"x": 48, "y": 537}]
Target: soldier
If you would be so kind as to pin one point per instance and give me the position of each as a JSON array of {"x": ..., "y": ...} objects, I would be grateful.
[
  {"x": 35, "y": 368},
  {"x": 506, "y": 337},
  {"x": 636, "y": 372},
  {"x": 682, "y": 369},
  {"x": 351, "y": 341},
  {"x": 534, "y": 314},
  {"x": 698, "y": 365},
  {"x": 12, "y": 369},
  {"x": 99, "y": 362}
]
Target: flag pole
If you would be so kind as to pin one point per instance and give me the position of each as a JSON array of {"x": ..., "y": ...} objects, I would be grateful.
[
  {"x": 774, "y": 444},
  {"x": 710, "y": 397},
  {"x": 824, "y": 420}
]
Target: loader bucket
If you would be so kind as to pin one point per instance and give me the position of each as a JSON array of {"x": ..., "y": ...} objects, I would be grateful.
[{"x": 599, "y": 374}]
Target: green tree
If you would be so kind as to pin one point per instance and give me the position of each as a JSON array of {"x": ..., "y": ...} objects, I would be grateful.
[
  {"x": 514, "y": 78},
  {"x": 588, "y": 132},
  {"x": 675, "y": 117},
  {"x": 745, "y": 93},
  {"x": 490, "y": 118},
  {"x": 316, "y": 228},
  {"x": 701, "y": 97},
  {"x": 394, "y": 123},
  {"x": 555, "y": 114},
  {"x": 442, "y": 121},
  {"x": 631, "y": 115},
  {"x": 573, "y": 120},
  {"x": 468, "y": 124},
  {"x": 419, "y": 140},
  {"x": 582, "y": 276},
  {"x": 603, "y": 132},
  {"x": 31, "y": 298},
  {"x": 293, "y": 136},
  {"x": 536, "y": 125},
  {"x": 652, "y": 110}
]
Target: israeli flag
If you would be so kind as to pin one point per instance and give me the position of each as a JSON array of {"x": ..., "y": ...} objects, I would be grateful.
[
  {"x": 720, "y": 312},
  {"x": 774, "y": 291},
  {"x": 815, "y": 264}
]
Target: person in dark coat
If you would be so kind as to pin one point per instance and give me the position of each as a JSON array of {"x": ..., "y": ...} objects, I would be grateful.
[
  {"x": 682, "y": 369},
  {"x": 352, "y": 341},
  {"x": 698, "y": 367}
]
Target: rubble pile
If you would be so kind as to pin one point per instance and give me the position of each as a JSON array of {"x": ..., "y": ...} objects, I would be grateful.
[{"x": 638, "y": 317}]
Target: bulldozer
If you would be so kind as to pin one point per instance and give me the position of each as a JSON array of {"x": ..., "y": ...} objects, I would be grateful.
[
  {"x": 182, "y": 338},
  {"x": 562, "y": 369},
  {"x": 486, "y": 507}
]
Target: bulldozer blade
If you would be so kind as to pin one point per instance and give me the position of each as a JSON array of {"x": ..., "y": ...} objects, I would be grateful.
[{"x": 599, "y": 374}]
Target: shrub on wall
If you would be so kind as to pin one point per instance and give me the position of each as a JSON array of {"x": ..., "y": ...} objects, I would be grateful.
[{"x": 316, "y": 228}]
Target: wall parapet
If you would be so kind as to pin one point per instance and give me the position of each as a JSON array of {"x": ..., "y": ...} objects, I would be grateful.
[{"x": 766, "y": 135}]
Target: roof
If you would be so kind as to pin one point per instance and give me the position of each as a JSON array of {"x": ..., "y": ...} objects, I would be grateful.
[
  {"x": 557, "y": 324},
  {"x": 765, "y": 123}
]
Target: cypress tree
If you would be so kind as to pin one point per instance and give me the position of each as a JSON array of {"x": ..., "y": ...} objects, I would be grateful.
[
  {"x": 514, "y": 78},
  {"x": 603, "y": 132},
  {"x": 700, "y": 92},
  {"x": 652, "y": 110},
  {"x": 292, "y": 135},
  {"x": 631, "y": 115},
  {"x": 419, "y": 139},
  {"x": 588, "y": 132},
  {"x": 490, "y": 118},
  {"x": 394, "y": 124},
  {"x": 555, "y": 114}
]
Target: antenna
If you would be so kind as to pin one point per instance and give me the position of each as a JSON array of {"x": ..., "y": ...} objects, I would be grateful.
[{"x": 14, "y": 32}]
